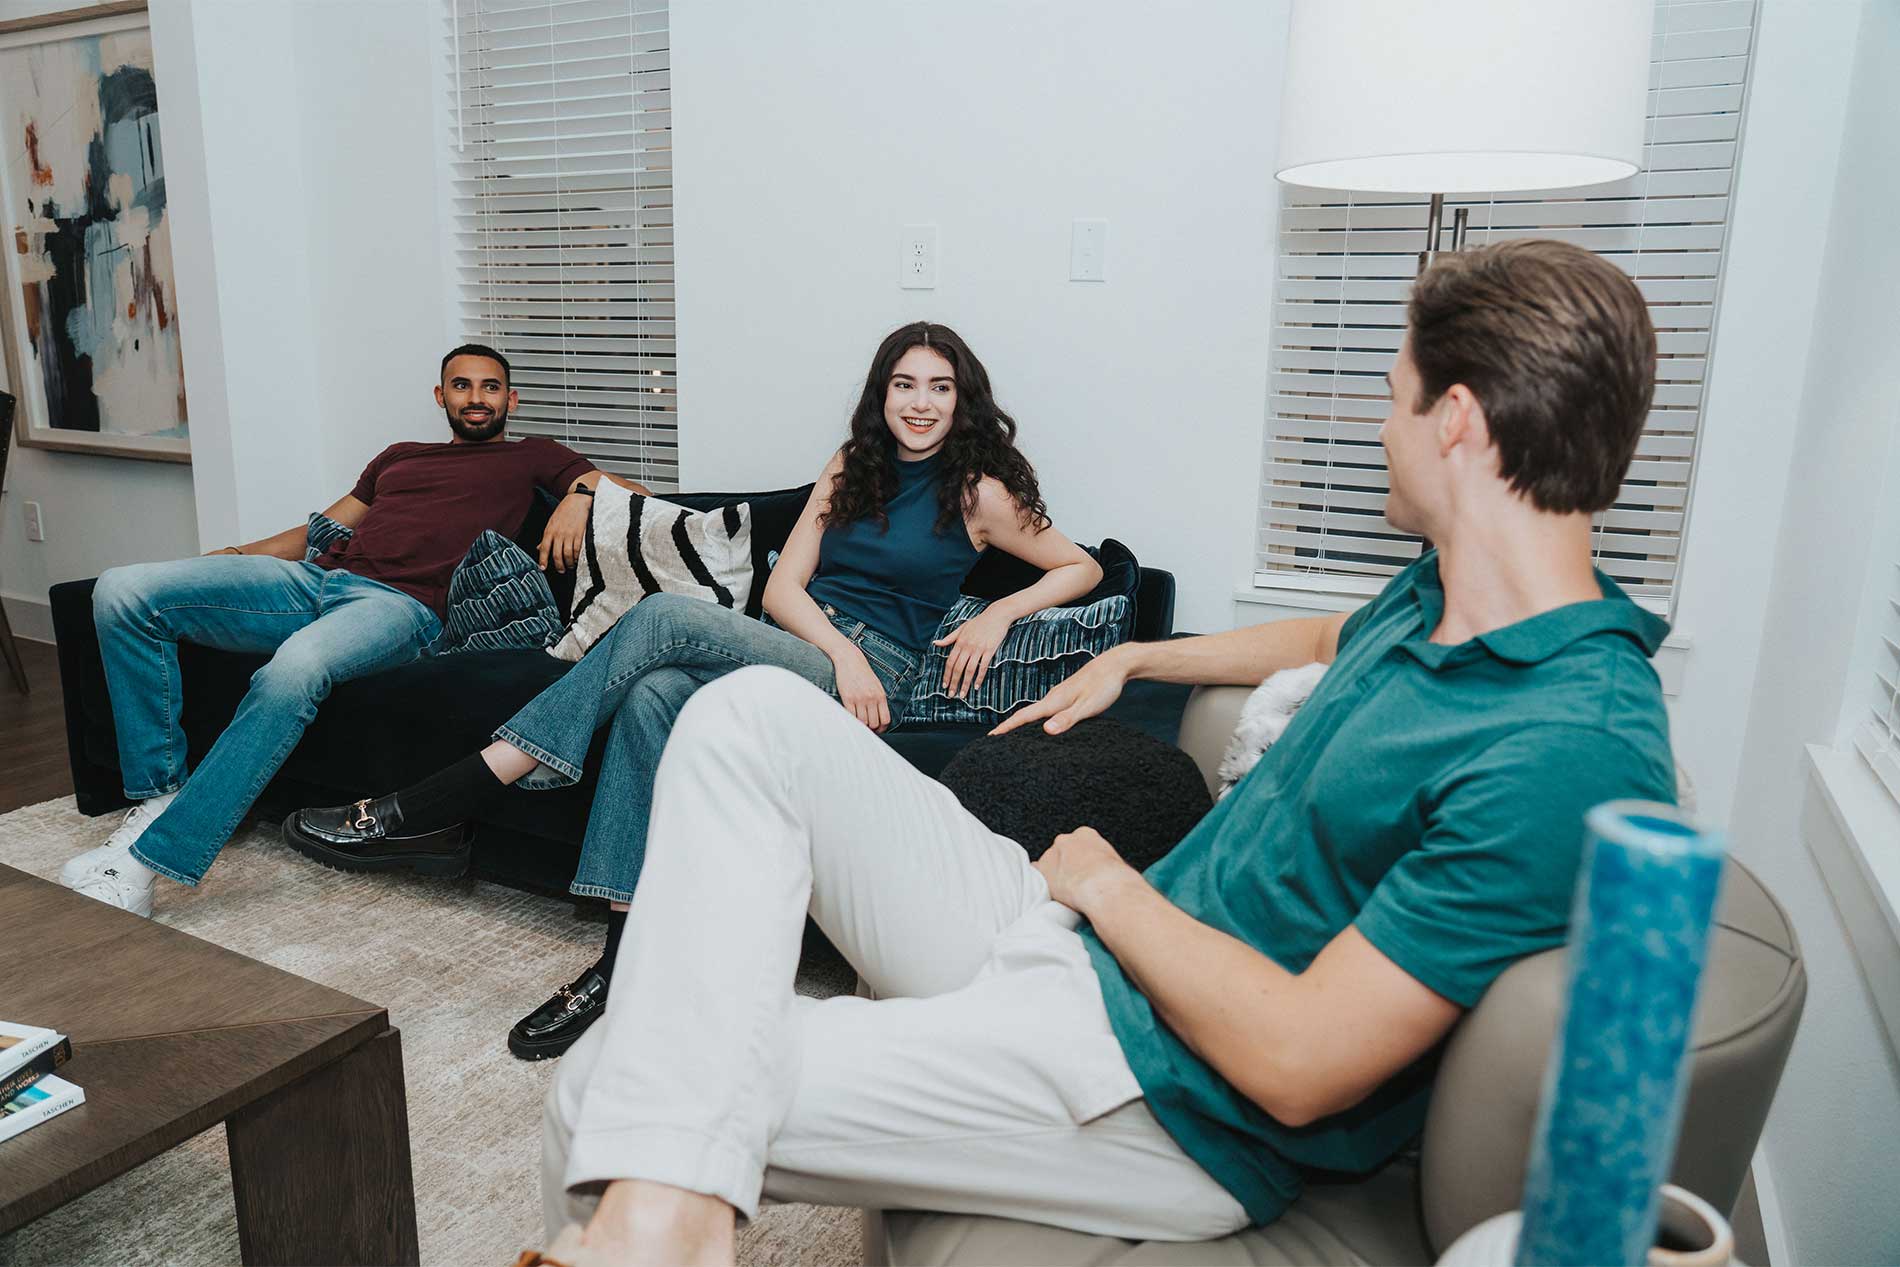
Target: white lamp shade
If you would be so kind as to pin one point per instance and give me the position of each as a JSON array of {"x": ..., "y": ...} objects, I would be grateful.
[{"x": 1464, "y": 96}]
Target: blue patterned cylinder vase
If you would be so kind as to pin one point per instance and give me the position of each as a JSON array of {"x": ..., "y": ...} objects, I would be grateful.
[{"x": 1613, "y": 1090}]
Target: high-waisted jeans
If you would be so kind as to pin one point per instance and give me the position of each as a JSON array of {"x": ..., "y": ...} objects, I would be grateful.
[{"x": 635, "y": 681}]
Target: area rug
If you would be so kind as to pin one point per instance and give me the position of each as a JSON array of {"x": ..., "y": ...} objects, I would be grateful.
[{"x": 455, "y": 962}]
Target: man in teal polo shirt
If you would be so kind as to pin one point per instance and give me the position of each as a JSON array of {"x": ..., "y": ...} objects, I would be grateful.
[{"x": 1159, "y": 1055}]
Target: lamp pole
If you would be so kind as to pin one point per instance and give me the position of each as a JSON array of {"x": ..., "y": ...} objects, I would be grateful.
[{"x": 1434, "y": 226}]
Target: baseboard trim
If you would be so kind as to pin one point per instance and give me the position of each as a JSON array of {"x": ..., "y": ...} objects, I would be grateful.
[
  {"x": 1774, "y": 1228},
  {"x": 31, "y": 618}
]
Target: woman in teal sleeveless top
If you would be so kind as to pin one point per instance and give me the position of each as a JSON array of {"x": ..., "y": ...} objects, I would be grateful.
[{"x": 928, "y": 479}]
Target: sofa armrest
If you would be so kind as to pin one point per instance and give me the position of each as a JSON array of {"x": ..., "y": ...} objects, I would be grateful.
[
  {"x": 90, "y": 746},
  {"x": 1490, "y": 1082},
  {"x": 1154, "y": 605},
  {"x": 1208, "y": 723}
]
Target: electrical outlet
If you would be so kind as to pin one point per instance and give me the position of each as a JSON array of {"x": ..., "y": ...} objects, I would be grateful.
[
  {"x": 917, "y": 257},
  {"x": 1088, "y": 251},
  {"x": 35, "y": 524}
]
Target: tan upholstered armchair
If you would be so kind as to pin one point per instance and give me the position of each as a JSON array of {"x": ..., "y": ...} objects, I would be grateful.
[{"x": 1470, "y": 1162}]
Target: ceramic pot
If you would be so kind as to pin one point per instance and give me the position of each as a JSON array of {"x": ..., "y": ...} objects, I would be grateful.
[{"x": 1689, "y": 1233}]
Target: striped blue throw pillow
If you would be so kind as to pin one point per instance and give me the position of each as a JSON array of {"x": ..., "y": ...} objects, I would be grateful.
[
  {"x": 499, "y": 598},
  {"x": 498, "y": 601},
  {"x": 320, "y": 534},
  {"x": 1039, "y": 651}
]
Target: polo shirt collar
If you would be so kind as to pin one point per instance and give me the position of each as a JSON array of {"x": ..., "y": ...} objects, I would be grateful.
[{"x": 1537, "y": 639}]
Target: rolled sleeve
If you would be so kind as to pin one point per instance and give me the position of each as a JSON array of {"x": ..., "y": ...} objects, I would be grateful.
[
  {"x": 365, "y": 490},
  {"x": 562, "y": 468}
]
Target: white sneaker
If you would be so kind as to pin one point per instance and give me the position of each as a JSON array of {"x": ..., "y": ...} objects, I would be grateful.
[
  {"x": 118, "y": 846},
  {"x": 128, "y": 888}
]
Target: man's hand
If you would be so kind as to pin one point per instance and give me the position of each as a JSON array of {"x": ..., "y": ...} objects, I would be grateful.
[
  {"x": 1086, "y": 692},
  {"x": 972, "y": 646},
  {"x": 1082, "y": 868},
  {"x": 566, "y": 534},
  {"x": 859, "y": 689}
]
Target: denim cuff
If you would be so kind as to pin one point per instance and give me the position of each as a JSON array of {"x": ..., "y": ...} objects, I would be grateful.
[
  {"x": 553, "y": 772},
  {"x": 601, "y": 891},
  {"x": 168, "y": 872},
  {"x": 130, "y": 795}
]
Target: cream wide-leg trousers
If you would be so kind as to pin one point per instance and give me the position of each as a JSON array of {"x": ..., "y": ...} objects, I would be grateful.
[{"x": 983, "y": 1079}]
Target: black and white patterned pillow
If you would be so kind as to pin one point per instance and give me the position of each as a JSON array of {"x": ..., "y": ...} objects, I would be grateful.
[{"x": 641, "y": 545}]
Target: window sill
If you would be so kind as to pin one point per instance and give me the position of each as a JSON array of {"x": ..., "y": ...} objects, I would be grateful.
[
  {"x": 1852, "y": 829},
  {"x": 1315, "y": 599}
]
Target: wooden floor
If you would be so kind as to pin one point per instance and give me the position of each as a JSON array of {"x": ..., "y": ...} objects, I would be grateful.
[{"x": 33, "y": 765}]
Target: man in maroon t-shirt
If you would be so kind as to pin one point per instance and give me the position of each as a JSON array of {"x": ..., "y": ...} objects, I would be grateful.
[{"x": 369, "y": 603}]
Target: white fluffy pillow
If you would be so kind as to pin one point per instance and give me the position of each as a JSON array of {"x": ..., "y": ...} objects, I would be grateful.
[
  {"x": 641, "y": 545},
  {"x": 1264, "y": 719}
]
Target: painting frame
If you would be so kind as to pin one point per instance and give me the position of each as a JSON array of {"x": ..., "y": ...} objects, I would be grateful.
[{"x": 32, "y": 428}]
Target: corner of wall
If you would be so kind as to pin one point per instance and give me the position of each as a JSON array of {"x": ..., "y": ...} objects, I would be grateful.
[
  {"x": 214, "y": 479},
  {"x": 1796, "y": 111}
]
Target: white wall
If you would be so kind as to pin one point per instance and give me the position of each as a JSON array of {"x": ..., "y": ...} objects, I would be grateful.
[
  {"x": 1791, "y": 151},
  {"x": 98, "y": 511},
  {"x": 380, "y": 299},
  {"x": 807, "y": 134},
  {"x": 1830, "y": 1141},
  {"x": 310, "y": 254},
  {"x": 316, "y": 240}
]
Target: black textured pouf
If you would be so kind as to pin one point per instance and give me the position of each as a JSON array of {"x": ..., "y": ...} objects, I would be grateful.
[{"x": 1141, "y": 794}]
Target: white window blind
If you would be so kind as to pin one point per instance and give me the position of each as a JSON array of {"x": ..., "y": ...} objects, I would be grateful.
[
  {"x": 563, "y": 192},
  {"x": 1878, "y": 737},
  {"x": 1346, "y": 264}
]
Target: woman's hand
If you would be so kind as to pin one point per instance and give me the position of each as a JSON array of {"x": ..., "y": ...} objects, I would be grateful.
[
  {"x": 859, "y": 689},
  {"x": 972, "y": 646}
]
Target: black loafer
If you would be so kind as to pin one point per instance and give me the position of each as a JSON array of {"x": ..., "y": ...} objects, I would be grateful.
[
  {"x": 367, "y": 836},
  {"x": 552, "y": 1028}
]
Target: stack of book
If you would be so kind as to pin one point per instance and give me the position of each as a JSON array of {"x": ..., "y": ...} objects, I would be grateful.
[{"x": 29, "y": 1093}]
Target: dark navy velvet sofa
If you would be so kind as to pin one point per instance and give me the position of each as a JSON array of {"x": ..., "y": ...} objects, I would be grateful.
[{"x": 378, "y": 733}]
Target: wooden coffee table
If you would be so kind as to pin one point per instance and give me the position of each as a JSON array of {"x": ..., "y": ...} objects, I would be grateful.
[{"x": 172, "y": 1035}]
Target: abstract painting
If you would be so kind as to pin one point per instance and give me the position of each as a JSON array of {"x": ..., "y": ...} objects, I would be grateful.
[{"x": 92, "y": 312}]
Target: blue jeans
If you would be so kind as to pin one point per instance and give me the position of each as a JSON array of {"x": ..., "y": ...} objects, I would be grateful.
[
  {"x": 322, "y": 628},
  {"x": 635, "y": 681}
]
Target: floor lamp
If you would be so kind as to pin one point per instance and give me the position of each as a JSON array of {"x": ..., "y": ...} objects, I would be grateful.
[{"x": 1463, "y": 97}]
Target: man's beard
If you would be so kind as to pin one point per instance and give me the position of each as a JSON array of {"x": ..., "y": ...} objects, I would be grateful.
[{"x": 496, "y": 423}]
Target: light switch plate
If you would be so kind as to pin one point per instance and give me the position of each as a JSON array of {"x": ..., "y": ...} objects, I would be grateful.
[{"x": 1088, "y": 251}]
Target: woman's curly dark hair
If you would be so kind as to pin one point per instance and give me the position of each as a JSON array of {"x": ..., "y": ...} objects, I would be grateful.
[{"x": 982, "y": 441}]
